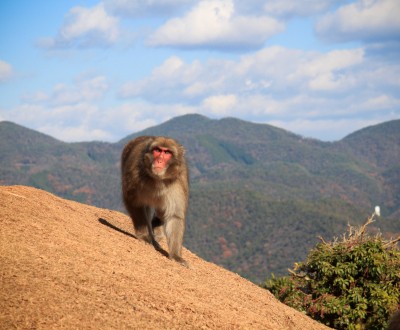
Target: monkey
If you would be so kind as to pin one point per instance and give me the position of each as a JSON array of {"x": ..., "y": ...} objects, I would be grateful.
[
  {"x": 155, "y": 191},
  {"x": 394, "y": 323}
]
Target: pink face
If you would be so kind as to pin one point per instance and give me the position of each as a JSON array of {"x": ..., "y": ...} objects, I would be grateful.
[{"x": 161, "y": 158}]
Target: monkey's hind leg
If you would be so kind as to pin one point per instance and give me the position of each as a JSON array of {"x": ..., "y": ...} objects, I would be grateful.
[
  {"x": 174, "y": 230},
  {"x": 158, "y": 229}
]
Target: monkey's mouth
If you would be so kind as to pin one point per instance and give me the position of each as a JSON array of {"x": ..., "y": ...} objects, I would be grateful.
[
  {"x": 158, "y": 167},
  {"x": 159, "y": 170}
]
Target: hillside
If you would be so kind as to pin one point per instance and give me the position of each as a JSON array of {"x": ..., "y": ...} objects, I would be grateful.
[
  {"x": 259, "y": 197},
  {"x": 85, "y": 172},
  {"x": 62, "y": 268}
]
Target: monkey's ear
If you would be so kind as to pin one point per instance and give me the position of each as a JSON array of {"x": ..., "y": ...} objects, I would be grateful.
[{"x": 182, "y": 150}]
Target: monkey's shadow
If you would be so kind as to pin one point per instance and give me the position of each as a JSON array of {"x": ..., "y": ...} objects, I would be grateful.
[{"x": 110, "y": 225}]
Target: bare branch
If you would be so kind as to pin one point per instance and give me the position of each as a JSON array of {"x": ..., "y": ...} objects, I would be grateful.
[{"x": 392, "y": 242}]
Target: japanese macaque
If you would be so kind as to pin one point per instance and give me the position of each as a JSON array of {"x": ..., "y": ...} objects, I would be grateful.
[
  {"x": 394, "y": 323},
  {"x": 155, "y": 190}
]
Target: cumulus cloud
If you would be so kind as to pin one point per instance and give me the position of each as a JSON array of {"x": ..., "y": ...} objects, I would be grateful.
[
  {"x": 379, "y": 103},
  {"x": 74, "y": 122},
  {"x": 84, "y": 89},
  {"x": 6, "y": 71},
  {"x": 326, "y": 72},
  {"x": 84, "y": 28},
  {"x": 77, "y": 112},
  {"x": 276, "y": 83},
  {"x": 87, "y": 121},
  {"x": 177, "y": 81},
  {"x": 79, "y": 133},
  {"x": 220, "y": 104},
  {"x": 132, "y": 117},
  {"x": 68, "y": 112},
  {"x": 273, "y": 71},
  {"x": 215, "y": 24},
  {"x": 367, "y": 20}
]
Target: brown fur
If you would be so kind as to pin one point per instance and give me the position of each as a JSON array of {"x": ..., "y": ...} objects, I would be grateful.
[
  {"x": 156, "y": 199},
  {"x": 394, "y": 323}
]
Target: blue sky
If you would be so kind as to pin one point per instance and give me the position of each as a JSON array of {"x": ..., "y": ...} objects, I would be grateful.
[{"x": 100, "y": 70}]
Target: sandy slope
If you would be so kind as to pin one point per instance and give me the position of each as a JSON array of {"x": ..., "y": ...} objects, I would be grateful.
[{"x": 61, "y": 268}]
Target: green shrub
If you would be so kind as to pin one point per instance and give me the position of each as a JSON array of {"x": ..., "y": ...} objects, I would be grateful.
[{"x": 352, "y": 282}]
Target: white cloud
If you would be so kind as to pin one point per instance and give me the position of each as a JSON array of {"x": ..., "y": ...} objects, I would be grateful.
[
  {"x": 84, "y": 89},
  {"x": 326, "y": 72},
  {"x": 171, "y": 79},
  {"x": 85, "y": 28},
  {"x": 380, "y": 102},
  {"x": 70, "y": 122},
  {"x": 277, "y": 83},
  {"x": 6, "y": 71},
  {"x": 170, "y": 67},
  {"x": 76, "y": 133},
  {"x": 214, "y": 24},
  {"x": 136, "y": 116},
  {"x": 220, "y": 105},
  {"x": 130, "y": 118},
  {"x": 67, "y": 112},
  {"x": 77, "y": 112},
  {"x": 274, "y": 71},
  {"x": 334, "y": 60},
  {"x": 367, "y": 20}
]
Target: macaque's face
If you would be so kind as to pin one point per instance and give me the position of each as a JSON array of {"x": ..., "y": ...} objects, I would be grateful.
[{"x": 161, "y": 158}]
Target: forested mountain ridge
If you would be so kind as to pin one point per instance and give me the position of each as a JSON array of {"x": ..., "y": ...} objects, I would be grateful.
[{"x": 259, "y": 194}]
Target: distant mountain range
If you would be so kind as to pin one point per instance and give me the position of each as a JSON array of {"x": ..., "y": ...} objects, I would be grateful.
[{"x": 260, "y": 195}]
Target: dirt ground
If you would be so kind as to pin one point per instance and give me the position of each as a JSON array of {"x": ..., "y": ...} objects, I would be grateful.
[{"x": 66, "y": 265}]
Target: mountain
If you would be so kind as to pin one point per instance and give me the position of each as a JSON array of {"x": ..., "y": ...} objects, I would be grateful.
[
  {"x": 85, "y": 171},
  {"x": 379, "y": 148},
  {"x": 260, "y": 195},
  {"x": 62, "y": 268}
]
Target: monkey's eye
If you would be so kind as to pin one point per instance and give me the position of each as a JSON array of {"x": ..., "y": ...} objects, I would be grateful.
[{"x": 160, "y": 150}]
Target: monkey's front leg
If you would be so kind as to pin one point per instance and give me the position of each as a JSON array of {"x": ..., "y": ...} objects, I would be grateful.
[{"x": 174, "y": 230}]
